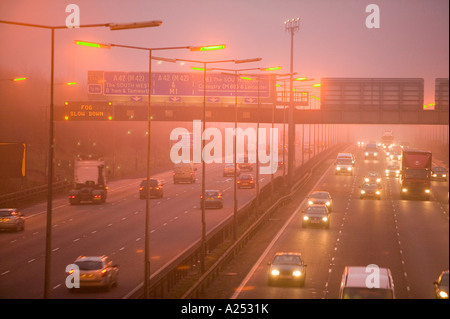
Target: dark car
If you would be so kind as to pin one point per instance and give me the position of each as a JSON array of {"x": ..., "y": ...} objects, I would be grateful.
[
  {"x": 156, "y": 189},
  {"x": 11, "y": 219},
  {"x": 213, "y": 198},
  {"x": 439, "y": 174},
  {"x": 372, "y": 177},
  {"x": 370, "y": 190},
  {"x": 321, "y": 197},
  {"x": 287, "y": 267},
  {"x": 246, "y": 181},
  {"x": 441, "y": 286},
  {"x": 316, "y": 215}
]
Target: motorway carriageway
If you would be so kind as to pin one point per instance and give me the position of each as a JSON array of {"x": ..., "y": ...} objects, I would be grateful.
[
  {"x": 115, "y": 229},
  {"x": 411, "y": 237}
]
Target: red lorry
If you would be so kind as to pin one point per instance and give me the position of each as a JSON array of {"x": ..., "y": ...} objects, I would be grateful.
[{"x": 415, "y": 174}]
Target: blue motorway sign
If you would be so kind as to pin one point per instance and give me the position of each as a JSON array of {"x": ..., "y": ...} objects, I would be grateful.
[{"x": 178, "y": 84}]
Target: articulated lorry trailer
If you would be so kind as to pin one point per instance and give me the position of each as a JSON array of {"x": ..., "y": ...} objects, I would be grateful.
[
  {"x": 415, "y": 174},
  {"x": 89, "y": 182}
]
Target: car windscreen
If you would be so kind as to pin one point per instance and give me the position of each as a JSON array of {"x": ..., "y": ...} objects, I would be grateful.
[
  {"x": 286, "y": 260},
  {"x": 89, "y": 265},
  {"x": 344, "y": 161},
  {"x": 416, "y": 173},
  {"x": 370, "y": 186},
  {"x": 316, "y": 210},
  {"x": 367, "y": 293},
  {"x": 320, "y": 195}
]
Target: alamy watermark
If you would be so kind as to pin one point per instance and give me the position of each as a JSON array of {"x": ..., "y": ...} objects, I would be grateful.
[
  {"x": 73, "y": 19},
  {"x": 213, "y": 151}
]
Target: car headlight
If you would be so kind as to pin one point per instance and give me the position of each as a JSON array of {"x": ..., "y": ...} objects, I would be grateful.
[
  {"x": 305, "y": 218},
  {"x": 443, "y": 294},
  {"x": 363, "y": 192},
  {"x": 328, "y": 203},
  {"x": 397, "y": 172},
  {"x": 387, "y": 172},
  {"x": 427, "y": 191},
  {"x": 275, "y": 272},
  {"x": 378, "y": 180},
  {"x": 349, "y": 168},
  {"x": 404, "y": 190},
  {"x": 444, "y": 175},
  {"x": 324, "y": 219},
  {"x": 378, "y": 192},
  {"x": 375, "y": 154},
  {"x": 297, "y": 273},
  {"x": 367, "y": 154},
  {"x": 310, "y": 202},
  {"x": 338, "y": 168},
  {"x": 366, "y": 179},
  {"x": 434, "y": 175}
]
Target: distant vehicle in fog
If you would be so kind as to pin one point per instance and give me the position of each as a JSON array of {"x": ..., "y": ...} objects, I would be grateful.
[
  {"x": 246, "y": 181},
  {"x": 213, "y": 198},
  {"x": 439, "y": 173},
  {"x": 392, "y": 170},
  {"x": 370, "y": 190},
  {"x": 415, "y": 174},
  {"x": 343, "y": 166},
  {"x": 371, "y": 151},
  {"x": 184, "y": 172},
  {"x": 156, "y": 189},
  {"x": 89, "y": 182}
]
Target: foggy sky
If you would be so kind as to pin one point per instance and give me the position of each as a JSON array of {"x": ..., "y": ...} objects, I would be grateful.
[{"x": 333, "y": 40}]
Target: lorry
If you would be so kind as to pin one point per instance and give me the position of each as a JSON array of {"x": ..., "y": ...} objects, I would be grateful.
[
  {"x": 415, "y": 174},
  {"x": 89, "y": 182}
]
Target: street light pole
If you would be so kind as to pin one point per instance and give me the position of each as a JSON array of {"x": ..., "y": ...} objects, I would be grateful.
[{"x": 291, "y": 26}]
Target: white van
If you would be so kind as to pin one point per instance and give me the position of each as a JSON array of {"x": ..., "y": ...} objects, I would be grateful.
[
  {"x": 184, "y": 172},
  {"x": 371, "y": 282}
]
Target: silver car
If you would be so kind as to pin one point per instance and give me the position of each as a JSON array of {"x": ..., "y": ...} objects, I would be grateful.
[
  {"x": 97, "y": 271},
  {"x": 11, "y": 219}
]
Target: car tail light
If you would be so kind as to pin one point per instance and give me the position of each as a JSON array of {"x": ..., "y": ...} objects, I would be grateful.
[
  {"x": 104, "y": 271},
  {"x": 141, "y": 188}
]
